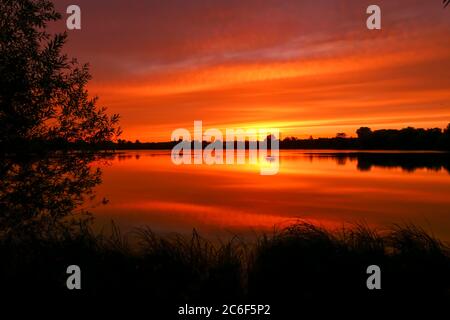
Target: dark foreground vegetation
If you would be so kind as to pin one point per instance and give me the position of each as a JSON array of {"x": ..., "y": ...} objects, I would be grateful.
[{"x": 302, "y": 264}]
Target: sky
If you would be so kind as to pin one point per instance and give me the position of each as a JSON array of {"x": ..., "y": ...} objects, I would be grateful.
[{"x": 304, "y": 67}]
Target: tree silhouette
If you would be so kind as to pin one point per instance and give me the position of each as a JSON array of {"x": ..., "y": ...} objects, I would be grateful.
[
  {"x": 43, "y": 94},
  {"x": 363, "y": 132}
]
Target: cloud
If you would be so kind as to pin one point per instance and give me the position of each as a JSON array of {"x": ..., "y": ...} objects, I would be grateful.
[{"x": 310, "y": 67}]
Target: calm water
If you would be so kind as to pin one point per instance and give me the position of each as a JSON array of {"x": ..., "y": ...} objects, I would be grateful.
[{"x": 324, "y": 187}]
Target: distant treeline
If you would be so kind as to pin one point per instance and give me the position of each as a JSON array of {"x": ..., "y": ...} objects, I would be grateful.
[
  {"x": 388, "y": 139},
  {"x": 384, "y": 139}
]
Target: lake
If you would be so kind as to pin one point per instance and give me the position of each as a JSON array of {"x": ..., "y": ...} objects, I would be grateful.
[{"x": 331, "y": 188}]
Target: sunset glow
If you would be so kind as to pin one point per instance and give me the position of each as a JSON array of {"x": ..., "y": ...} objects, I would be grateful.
[
  {"x": 307, "y": 69},
  {"x": 212, "y": 159}
]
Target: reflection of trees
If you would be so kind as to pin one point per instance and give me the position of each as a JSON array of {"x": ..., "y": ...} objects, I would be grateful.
[
  {"x": 44, "y": 196},
  {"x": 405, "y": 161},
  {"x": 408, "y": 163}
]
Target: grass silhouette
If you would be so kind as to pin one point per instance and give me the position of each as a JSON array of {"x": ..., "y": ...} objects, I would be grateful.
[{"x": 303, "y": 262}]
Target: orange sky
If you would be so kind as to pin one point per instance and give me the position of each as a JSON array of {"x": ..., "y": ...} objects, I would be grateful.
[{"x": 305, "y": 67}]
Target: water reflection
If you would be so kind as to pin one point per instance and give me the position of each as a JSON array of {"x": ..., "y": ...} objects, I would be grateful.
[
  {"x": 321, "y": 187},
  {"x": 408, "y": 161},
  {"x": 46, "y": 195},
  {"x": 50, "y": 194}
]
